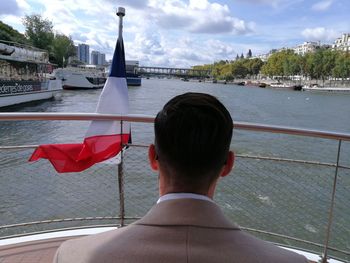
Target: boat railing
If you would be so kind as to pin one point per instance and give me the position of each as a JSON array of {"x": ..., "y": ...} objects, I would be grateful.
[
  {"x": 289, "y": 185},
  {"x": 23, "y": 52}
]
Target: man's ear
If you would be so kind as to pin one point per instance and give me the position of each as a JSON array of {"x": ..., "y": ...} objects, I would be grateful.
[
  {"x": 228, "y": 164},
  {"x": 153, "y": 157}
]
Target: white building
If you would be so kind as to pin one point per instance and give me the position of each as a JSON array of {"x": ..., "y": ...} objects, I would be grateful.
[
  {"x": 306, "y": 47},
  {"x": 263, "y": 57},
  {"x": 342, "y": 43}
]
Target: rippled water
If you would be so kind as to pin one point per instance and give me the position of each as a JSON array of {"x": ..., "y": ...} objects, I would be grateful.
[{"x": 251, "y": 104}]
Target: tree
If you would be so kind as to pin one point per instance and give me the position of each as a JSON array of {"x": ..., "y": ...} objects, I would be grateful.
[
  {"x": 249, "y": 54},
  {"x": 308, "y": 65},
  {"x": 283, "y": 63},
  {"x": 9, "y": 34},
  {"x": 292, "y": 64},
  {"x": 242, "y": 56},
  {"x": 226, "y": 72},
  {"x": 62, "y": 48},
  {"x": 342, "y": 65},
  {"x": 253, "y": 66},
  {"x": 39, "y": 31},
  {"x": 239, "y": 70},
  {"x": 328, "y": 64},
  {"x": 237, "y": 57}
]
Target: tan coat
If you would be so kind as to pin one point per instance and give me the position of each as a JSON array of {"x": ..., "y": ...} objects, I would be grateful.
[{"x": 182, "y": 230}]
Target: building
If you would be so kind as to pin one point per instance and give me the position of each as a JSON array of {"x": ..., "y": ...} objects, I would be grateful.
[
  {"x": 131, "y": 66},
  {"x": 94, "y": 57},
  {"x": 342, "y": 43},
  {"x": 263, "y": 57},
  {"x": 102, "y": 59},
  {"x": 98, "y": 58},
  {"x": 84, "y": 53},
  {"x": 306, "y": 47}
]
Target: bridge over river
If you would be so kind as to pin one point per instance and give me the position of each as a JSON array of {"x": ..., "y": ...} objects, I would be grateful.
[{"x": 176, "y": 72}]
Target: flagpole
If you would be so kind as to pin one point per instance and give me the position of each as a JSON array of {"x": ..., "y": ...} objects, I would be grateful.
[{"x": 121, "y": 14}]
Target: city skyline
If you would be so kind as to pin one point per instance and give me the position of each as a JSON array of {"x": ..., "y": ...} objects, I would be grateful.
[
  {"x": 98, "y": 58},
  {"x": 186, "y": 33}
]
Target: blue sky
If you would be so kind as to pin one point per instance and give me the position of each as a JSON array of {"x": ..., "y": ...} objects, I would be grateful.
[{"x": 183, "y": 33}]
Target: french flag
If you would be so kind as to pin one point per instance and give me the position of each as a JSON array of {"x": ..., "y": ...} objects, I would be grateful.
[{"x": 104, "y": 139}]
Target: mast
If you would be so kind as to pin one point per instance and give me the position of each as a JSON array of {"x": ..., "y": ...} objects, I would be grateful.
[{"x": 121, "y": 14}]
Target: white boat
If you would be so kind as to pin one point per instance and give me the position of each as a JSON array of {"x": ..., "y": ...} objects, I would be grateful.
[
  {"x": 132, "y": 76},
  {"x": 22, "y": 78},
  {"x": 316, "y": 88},
  {"x": 280, "y": 85},
  {"x": 16, "y": 92},
  {"x": 80, "y": 77}
]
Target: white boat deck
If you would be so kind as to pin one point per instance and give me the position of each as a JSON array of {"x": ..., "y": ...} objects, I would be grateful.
[{"x": 42, "y": 248}]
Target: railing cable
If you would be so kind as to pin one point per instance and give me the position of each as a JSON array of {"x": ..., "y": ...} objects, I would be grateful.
[{"x": 331, "y": 209}]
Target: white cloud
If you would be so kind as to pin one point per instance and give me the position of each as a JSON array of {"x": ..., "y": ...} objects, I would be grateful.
[
  {"x": 9, "y": 7},
  {"x": 138, "y": 4},
  {"x": 277, "y": 4},
  {"x": 12, "y": 12},
  {"x": 154, "y": 34},
  {"x": 269, "y": 2},
  {"x": 198, "y": 16},
  {"x": 322, "y": 5},
  {"x": 320, "y": 34}
]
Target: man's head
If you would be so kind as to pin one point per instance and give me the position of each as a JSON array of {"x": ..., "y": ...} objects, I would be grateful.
[{"x": 192, "y": 139}]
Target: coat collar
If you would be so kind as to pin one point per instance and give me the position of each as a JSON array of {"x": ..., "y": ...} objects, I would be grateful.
[{"x": 186, "y": 212}]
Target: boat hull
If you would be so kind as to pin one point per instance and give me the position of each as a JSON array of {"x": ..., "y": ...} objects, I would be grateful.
[
  {"x": 133, "y": 81},
  {"x": 79, "y": 81},
  {"x": 326, "y": 89},
  {"x": 17, "y": 92},
  {"x": 82, "y": 87},
  {"x": 76, "y": 78}
]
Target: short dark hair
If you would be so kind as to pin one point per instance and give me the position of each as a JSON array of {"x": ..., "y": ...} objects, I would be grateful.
[{"x": 193, "y": 133}]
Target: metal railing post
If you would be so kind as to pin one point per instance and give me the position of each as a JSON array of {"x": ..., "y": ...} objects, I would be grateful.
[
  {"x": 121, "y": 179},
  {"x": 331, "y": 209}
]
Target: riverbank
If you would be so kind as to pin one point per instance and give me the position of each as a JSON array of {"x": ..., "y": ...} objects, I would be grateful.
[{"x": 293, "y": 83}]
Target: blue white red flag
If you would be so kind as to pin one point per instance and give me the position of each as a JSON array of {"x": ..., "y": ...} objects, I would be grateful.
[{"x": 104, "y": 139}]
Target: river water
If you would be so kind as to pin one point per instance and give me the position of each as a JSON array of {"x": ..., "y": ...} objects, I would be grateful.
[{"x": 257, "y": 193}]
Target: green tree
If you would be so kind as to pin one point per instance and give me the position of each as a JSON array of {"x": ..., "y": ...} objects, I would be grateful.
[
  {"x": 239, "y": 70},
  {"x": 256, "y": 65},
  {"x": 39, "y": 31},
  {"x": 9, "y": 34},
  {"x": 328, "y": 63},
  {"x": 322, "y": 63},
  {"x": 226, "y": 72},
  {"x": 274, "y": 65},
  {"x": 292, "y": 64},
  {"x": 62, "y": 48},
  {"x": 342, "y": 65},
  {"x": 308, "y": 65},
  {"x": 253, "y": 66},
  {"x": 281, "y": 64}
]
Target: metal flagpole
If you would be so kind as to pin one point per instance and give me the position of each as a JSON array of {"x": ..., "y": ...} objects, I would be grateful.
[{"x": 121, "y": 14}]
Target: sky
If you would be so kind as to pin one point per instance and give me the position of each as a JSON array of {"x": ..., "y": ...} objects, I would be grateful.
[{"x": 184, "y": 33}]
